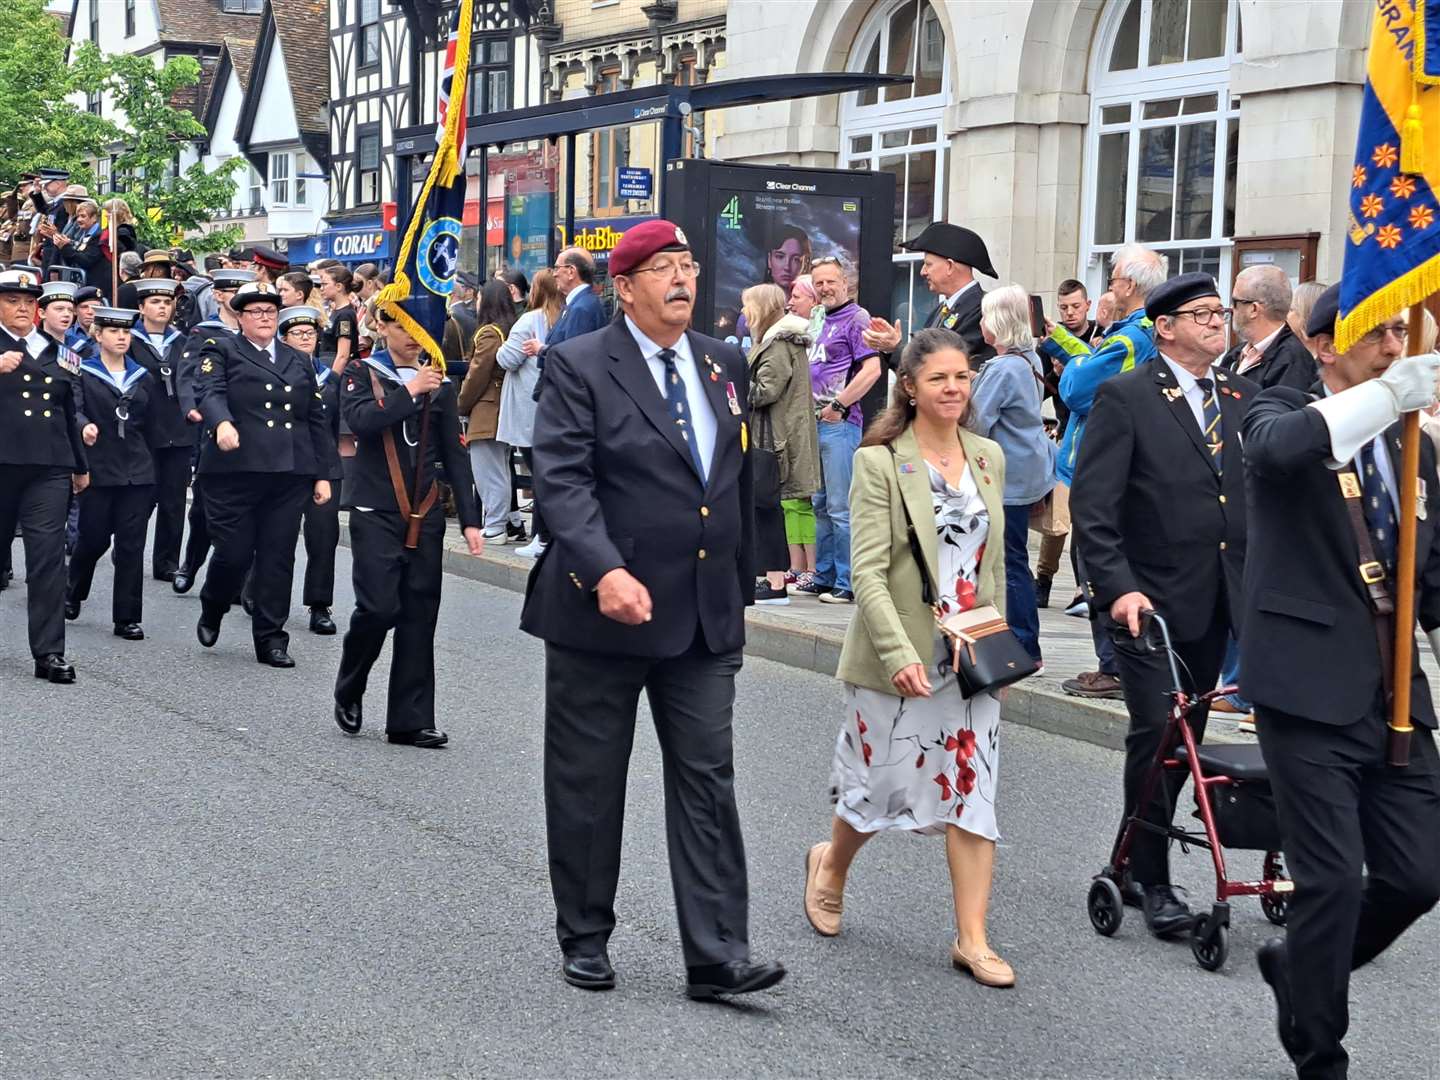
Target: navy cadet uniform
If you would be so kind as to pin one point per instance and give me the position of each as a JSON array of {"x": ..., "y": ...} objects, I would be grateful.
[
  {"x": 39, "y": 455},
  {"x": 171, "y": 436},
  {"x": 1158, "y": 507},
  {"x": 1361, "y": 837},
  {"x": 628, "y": 482},
  {"x": 117, "y": 504},
  {"x": 255, "y": 495},
  {"x": 321, "y": 529},
  {"x": 197, "y": 547},
  {"x": 397, "y": 588}
]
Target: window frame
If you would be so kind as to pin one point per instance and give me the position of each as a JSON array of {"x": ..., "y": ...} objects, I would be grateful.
[
  {"x": 281, "y": 178},
  {"x": 1136, "y": 87},
  {"x": 614, "y": 143},
  {"x": 129, "y": 18},
  {"x": 95, "y": 22},
  {"x": 363, "y": 31},
  {"x": 478, "y": 98},
  {"x": 363, "y": 132}
]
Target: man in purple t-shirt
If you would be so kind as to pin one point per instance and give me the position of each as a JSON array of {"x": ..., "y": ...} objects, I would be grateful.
[{"x": 842, "y": 371}]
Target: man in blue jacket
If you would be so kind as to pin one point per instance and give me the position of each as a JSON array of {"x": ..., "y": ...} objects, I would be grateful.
[
  {"x": 1134, "y": 272},
  {"x": 574, "y": 271}
]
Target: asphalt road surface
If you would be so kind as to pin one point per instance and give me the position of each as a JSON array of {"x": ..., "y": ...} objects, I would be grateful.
[{"x": 200, "y": 876}]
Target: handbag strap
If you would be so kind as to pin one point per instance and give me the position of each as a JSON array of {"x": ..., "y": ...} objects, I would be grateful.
[{"x": 928, "y": 592}]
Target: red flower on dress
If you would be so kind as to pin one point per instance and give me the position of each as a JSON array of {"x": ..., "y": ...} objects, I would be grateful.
[
  {"x": 865, "y": 749},
  {"x": 944, "y": 782},
  {"x": 1371, "y": 205},
  {"x": 1388, "y": 236},
  {"x": 964, "y": 745},
  {"x": 964, "y": 780},
  {"x": 920, "y": 761},
  {"x": 860, "y": 724},
  {"x": 964, "y": 594}
]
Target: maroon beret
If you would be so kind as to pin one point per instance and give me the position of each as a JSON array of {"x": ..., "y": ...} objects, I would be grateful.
[{"x": 642, "y": 241}]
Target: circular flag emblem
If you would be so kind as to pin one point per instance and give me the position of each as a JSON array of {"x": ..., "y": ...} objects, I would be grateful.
[{"x": 439, "y": 256}]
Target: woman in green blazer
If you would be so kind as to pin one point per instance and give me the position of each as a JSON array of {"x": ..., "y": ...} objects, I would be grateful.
[{"x": 913, "y": 753}]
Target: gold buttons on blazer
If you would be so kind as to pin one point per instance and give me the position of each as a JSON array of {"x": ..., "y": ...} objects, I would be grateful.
[
  {"x": 269, "y": 423},
  {"x": 1222, "y": 498},
  {"x": 48, "y": 380},
  {"x": 288, "y": 425},
  {"x": 704, "y": 511},
  {"x": 702, "y": 553},
  {"x": 287, "y": 390},
  {"x": 268, "y": 405}
]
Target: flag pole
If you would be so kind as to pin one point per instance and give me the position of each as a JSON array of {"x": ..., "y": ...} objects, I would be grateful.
[{"x": 1398, "y": 742}]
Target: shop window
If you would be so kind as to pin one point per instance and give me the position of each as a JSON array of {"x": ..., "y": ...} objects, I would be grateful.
[
  {"x": 1164, "y": 135},
  {"x": 900, "y": 131}
]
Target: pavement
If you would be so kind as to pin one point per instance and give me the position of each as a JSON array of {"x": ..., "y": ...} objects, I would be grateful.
[{"x": 203, "y": 877}]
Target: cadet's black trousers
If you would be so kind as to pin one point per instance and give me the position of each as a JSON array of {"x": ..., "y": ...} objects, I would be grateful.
[
  {"x": 254, "y": 517},
  {"x": 590, "y": 702},
  {"x": 395, "y": 589},
  {"x": 121, "y": 513},
  {"x": 1146, "y": 681},
  {"x": 37, "y": 497},
  {"x": 172, "y": 477},
  {"x": 322, "y": 536},
  {"x": 197, "y": 547},
  {"x": 1344, "y": 812}
]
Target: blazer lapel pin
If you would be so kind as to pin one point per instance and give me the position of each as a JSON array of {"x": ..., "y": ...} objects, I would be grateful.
[{"x": 732, "y": 399}]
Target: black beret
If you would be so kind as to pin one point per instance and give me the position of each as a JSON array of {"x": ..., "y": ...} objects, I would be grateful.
[
  {"x": 1174, "y": 294},
  {"x": 1324, "y": 313},
  {"x": 86, "y": 293},
  {"x": 954, "y": 242}
]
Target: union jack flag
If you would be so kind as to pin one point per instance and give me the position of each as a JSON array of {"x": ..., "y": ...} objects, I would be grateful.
[{"x": 447, "y": 80}]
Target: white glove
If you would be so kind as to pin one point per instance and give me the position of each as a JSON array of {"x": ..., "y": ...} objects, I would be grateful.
[
  {"x": 1355, "y": 416},
  {"x": 1412, "y": 380}
]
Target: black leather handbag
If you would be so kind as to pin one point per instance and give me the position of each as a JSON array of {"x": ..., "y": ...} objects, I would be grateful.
[
  {"x": 985, "y": 652},
  {"x": 765, "y": 462}
]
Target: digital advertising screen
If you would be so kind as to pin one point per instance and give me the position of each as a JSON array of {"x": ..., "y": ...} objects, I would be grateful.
[{"x": 772, "y": 236}]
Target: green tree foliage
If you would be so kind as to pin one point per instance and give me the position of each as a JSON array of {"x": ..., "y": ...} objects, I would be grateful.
[
  {"x": 155, "y": 121},
  {"x": 41, "y": 127}
]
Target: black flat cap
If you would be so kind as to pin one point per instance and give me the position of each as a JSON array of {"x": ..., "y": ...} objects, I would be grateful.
[
  {"x": 954, "y": 242},
  {"x": 1324, "y": 313},
  {"x": 1179, "y": 291}
]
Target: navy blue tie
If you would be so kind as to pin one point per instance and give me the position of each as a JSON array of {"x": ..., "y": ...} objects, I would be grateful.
[
  {"x": 1214, "y": 436},
  {"x": 680, "y": 407},
  {"x": 1379, "y": 509}
]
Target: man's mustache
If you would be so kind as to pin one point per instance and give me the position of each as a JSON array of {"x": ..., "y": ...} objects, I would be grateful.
[{"x": 679, "y": 292}]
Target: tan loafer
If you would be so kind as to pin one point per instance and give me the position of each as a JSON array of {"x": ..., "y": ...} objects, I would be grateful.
[
  {"x": 822, "y": 906},
  {"x": 985, "y": 968}
]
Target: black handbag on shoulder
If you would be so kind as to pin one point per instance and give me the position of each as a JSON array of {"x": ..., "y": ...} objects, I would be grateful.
[
  {"x": 765, "y": 462},
  {"x": 985, "y": 652}
]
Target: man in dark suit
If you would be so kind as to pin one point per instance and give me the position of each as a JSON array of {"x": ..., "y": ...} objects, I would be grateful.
[
  {"x": 1359, "y": 835},
  {"x": 1158, "y": 513},
  {"x": 641, "y": 454},
  {"x": 267, "y": 450},
  {"x": 952, "y": 255},
  {"x": 42, "y": 459},
  {"x": 1269, "y": 353}
]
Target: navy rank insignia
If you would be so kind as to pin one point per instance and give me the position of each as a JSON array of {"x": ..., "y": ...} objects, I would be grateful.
[{"x": 208, "y": 366}]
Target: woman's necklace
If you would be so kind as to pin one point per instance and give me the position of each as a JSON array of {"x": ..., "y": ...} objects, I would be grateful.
[{"x": 944, "y": 456}]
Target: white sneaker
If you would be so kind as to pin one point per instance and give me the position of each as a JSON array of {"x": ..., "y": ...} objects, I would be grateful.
[
  {"x": 497, "y": 537},
  {"x": 532, "y": 550}
]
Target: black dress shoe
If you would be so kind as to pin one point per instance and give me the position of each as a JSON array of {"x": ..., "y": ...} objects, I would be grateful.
[
  {"x": 182, "y": 581},
  {"x": 72, "y": 609},
  {"x": 130, "y": 631},
  {"x": 589, "y": 971},
  {"x": 55, "y": 668},
  {"x": 207, "y": 633},
  {"x": 1131, "y": 893},
  {"x": 165, "y": 575},
  {"x": 1165, "y": 913},
  {"x": 348, "y": 717},
  {"x": 1042, "y": 591},
  {"x": 276, "y": 658},
  {"x": 320, "y": 621},
  {"x": 425, "y": 737},
  {"x": 737, "y": 977},
  {"x": 1273, "y": 969}
]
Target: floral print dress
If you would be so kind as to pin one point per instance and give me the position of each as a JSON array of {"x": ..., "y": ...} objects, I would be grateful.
[{"x": 921, "y": 764}]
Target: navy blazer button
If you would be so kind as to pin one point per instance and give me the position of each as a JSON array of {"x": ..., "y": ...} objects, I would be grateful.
[
  {"x": 702, "y": 553},
  {"x": 704, "y": 511}
]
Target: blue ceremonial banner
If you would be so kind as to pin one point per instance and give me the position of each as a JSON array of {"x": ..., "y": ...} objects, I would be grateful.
[
  {"x": 429, "y": 254},
  {"x": 1392, "y": 254}
]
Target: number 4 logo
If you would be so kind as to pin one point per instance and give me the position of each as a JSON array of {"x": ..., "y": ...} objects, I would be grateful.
[{"x": 731, "y": 215}]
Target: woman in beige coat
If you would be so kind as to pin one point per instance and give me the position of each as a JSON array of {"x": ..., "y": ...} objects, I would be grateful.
[
  {"x": 913, "y": 752},
  {"x": 479, "y": 397},
  {"x": 783, "y": 420}
]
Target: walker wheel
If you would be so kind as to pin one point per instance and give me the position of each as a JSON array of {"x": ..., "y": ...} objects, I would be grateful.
[
  {"x": 1105, "y": 906},
  {"x": 1210, "y": 943},
  {"x": 1275, "y": 906}
]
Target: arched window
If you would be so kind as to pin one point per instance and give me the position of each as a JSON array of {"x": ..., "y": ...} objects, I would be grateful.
[
  {"x": 1163, "y": 137},
  {"x": 898, "y": 130}
]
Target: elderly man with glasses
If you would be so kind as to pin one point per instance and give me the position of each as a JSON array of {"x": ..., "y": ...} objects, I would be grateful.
[
  {"x": 1158, "y": 510},
  {"x": 642, "y": 461}
]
